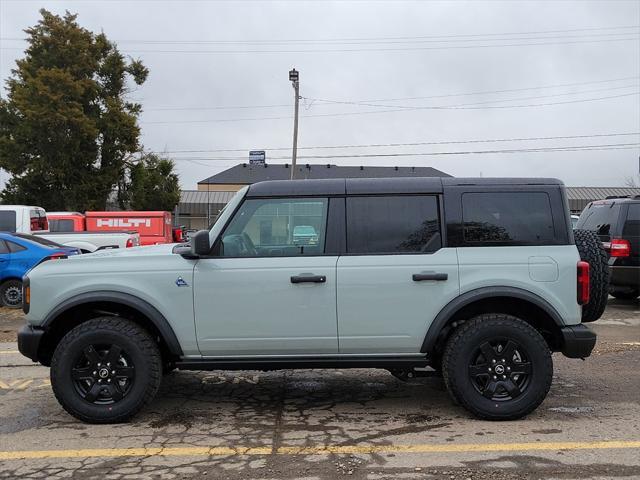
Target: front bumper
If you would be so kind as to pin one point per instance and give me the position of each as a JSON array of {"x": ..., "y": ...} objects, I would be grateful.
[
  {"x": 29, "y": 341},
  {"x": 578, "y": 341}
]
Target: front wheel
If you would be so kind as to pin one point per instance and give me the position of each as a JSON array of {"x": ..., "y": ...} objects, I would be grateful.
[
  {"x": 498, "y": 367},
  {"x": 105, "y": 370},
  {"x": 11, "y": 294}
]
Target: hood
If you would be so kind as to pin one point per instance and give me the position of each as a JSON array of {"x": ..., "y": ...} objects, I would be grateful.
[{"x": 162, "y": 249}]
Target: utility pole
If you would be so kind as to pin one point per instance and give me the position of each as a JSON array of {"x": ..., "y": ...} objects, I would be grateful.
[{"x": 293, "y": 78}]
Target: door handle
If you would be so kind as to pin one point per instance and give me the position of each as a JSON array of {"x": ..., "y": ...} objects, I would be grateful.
[
  {"x": 308, "y": 279},
  {"x": 422, "y": 276}
]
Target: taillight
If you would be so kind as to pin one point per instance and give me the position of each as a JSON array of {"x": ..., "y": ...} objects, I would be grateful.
[
  {"x": 129, "y": 243},
  {"x": 618, "y": 247},
  {"x": 57, "y": 256},
  {"x": 583, "y": 283}
]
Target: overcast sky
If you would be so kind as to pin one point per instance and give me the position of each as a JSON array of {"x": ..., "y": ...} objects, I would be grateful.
[{"x": 558, "y": 69}]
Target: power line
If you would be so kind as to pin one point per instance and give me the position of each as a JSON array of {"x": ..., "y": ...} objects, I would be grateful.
[
  {"x": 344, "y": 114},
  {"x": 634, "y": 37},
  {"x": 414, "y": 144},
  {"x": 367, "y": 104},
  {"x": 567, "y": 148},
  {"x": 485, "y": 92},
  {"x": 365, "y": 39},
  {"x": 338, "y": 42}
]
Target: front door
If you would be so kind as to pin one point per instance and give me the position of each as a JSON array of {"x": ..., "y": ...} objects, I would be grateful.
[
  {"x": 269, "y": 289},
  {"x": 395, "y": 277}
]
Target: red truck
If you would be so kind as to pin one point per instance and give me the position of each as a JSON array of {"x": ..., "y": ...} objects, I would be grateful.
[{"x": 153, "y": 227}]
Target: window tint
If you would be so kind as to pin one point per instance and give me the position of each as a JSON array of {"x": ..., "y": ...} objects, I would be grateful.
[
  {"x": 277, "y": 227},
  {"x": 61, "y": 225},
  {"x": 599, "y": 217},
  {"x": 14, "y": 247},
  {"x": 7, "y": 221},
  {"x": 3, "y": 247},
  {"x": 632, "y": 224},
  {"x": 37, "y": 239},
  {"x": 392, "y": 224},
  {"x": 515, "y": 218}
]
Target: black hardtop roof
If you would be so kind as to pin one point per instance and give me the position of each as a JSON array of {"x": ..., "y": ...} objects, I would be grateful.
[{"x": 366, "y": 186}]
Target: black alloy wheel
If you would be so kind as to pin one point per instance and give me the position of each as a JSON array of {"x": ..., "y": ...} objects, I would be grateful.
[
  {"x": 103, "y": 374},
  {"x": 106, "y": 369},
  {"x": 500, "y": 370},
  {"x": 497, "y": 366}
]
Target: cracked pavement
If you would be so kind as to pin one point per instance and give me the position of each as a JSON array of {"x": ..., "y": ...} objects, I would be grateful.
[{"x": 327, "y": 424}]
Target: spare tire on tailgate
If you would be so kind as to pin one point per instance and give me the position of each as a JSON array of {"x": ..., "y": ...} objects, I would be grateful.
[{"x": 592, "y": 251}]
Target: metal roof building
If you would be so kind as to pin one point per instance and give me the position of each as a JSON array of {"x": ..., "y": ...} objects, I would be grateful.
[
  {"x": 579, "y": 197},
  {"x": 243, "y": 174}
]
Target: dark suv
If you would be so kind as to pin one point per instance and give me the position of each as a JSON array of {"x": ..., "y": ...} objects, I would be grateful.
[{"x": 616, "y": 220}]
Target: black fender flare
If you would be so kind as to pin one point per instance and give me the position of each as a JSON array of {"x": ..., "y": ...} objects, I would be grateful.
[
  {"x": 441, "y": 320},
  {"x": 145, "y": 308}
]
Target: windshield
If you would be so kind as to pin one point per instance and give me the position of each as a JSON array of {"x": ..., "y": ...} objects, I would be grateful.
[{"x": 225, "y": 213}]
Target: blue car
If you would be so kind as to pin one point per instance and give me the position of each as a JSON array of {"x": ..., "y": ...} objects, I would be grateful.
[{"x": 20, "y": 252}]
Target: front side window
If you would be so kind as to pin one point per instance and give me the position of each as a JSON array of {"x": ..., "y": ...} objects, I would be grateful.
[
  {"x": 393, "y": 224},
  {"x": 507, "y": 218},
  {"x": 276, "y": 228}
]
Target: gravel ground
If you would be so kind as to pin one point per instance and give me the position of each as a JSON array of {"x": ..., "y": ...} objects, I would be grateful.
[{"x": 377, "y": 426}]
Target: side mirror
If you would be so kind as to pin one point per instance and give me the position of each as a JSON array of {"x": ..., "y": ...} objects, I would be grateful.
[{"x": 200, "y": 245}]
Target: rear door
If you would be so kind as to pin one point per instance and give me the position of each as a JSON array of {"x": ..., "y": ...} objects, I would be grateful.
[{"x": 395, "y": 276}]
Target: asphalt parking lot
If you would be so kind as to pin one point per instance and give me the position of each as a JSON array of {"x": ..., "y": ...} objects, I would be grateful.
[{"x": 319, "y": 424}]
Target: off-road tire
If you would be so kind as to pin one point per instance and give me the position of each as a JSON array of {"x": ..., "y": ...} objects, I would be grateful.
[
  {"x": 4, "y": 289},
  {"x": 139, "y": 345},
  {"x": 592, "y": 251},
  {"x": 624, "y": 294},
  {"x": 457, "y": 359}
]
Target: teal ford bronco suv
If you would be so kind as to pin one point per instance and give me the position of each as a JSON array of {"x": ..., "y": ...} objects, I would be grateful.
[{"x": 479, "y": 279}]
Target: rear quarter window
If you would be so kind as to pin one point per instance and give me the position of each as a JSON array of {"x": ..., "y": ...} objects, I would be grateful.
[
  {"x": 7, "y": 221},
  {"x": 507, "y": 218},
  {"x": 599, "y": 217},
  {"x": 61, "y": 225},
  {"x": 632, "y": 223}
]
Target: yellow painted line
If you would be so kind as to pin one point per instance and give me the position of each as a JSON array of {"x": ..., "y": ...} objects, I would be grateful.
[
  {"x": 9, "y": 352},
  {"x": 318, "y": 450}
]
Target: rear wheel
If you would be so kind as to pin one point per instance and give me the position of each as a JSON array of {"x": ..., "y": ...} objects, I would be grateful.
[
  {"x": 11, "y": 294},
  {"x": 105, "y": 370},
  {"x": 592, "y": 251},
  {"x": 498, "y": 367}
]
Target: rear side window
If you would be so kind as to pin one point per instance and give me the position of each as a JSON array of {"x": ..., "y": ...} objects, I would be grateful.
[
  {"x": 7, "y": 221},
  {"x": 507, "y": 218},
  {"x": 3, "y": 247},
  {"x": 600, "y": 217},
  {"x": 393, "y": 224},
  {"x": 14, "y": 247},
  {"x": 61, "y": 225},
  {"x": 632, "y": 224}
]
